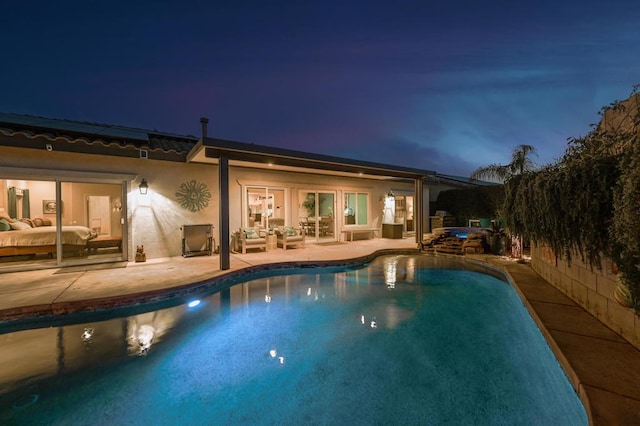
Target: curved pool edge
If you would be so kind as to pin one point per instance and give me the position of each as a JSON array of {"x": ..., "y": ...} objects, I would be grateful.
[
  {"x": 217, "y": 280},
  {"x": 564, "y": 362}
]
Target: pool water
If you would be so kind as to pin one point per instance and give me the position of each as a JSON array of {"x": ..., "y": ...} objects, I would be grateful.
[{"x": 403, "y": 340}]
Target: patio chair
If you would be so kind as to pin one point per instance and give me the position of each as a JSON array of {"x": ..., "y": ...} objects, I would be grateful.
[
  {"x": 253, "y": 238},
  {"x": 289, "y": 236}
]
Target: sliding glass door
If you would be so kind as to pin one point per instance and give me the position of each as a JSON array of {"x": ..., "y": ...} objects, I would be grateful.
[
  {"x": 265, "y": 207},
  {"x": 317, "y": 215},
  {"x": 47, "y": 222},
  {"x": 92, "y": 221}
]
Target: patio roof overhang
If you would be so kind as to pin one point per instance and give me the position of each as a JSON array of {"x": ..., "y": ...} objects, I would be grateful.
[
  {"x": 226, "y": 153},
  {"x": 241, "y": 154}
]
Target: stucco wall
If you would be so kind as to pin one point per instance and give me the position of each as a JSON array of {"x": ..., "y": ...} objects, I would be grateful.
[
  {"x": 154, "y": 220},
  {"x": 293, "y": 182},
  {"x": 591, "y": 289}
]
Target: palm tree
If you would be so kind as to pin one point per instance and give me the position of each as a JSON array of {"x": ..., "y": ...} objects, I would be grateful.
[{"x": 521, "y": 162}]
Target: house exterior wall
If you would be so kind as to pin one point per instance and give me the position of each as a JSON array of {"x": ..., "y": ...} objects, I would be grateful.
[
  {"x": 294, "y": 182},
  {"x": 591, "y": 289},
  {"x": 154, "y": 220}
]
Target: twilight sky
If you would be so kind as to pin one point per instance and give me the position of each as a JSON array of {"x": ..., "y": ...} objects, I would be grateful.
[{"x": 444, "y": 85}]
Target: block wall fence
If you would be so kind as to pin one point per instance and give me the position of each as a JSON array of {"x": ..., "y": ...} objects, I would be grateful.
[{"x": 590, "y": 288}]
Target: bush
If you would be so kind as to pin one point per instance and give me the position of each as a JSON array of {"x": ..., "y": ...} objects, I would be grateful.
[
  {"x": 471, "y": 203},
  {"x": 589, "y": 201}
]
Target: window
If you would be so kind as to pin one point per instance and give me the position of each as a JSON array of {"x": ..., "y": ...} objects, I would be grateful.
[{"x": 356, "y": 208}]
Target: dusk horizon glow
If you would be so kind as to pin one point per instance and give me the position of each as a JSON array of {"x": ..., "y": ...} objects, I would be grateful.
[{"x": 444, "y": 86}]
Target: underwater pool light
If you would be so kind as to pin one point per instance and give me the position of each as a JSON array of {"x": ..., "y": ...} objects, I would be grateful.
[
  {"x": 193, "y": 303},
  {"x": 87, "y": 334}
]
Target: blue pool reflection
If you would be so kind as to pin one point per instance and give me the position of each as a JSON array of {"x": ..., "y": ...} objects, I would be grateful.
[{"x": 404, "y": 340}]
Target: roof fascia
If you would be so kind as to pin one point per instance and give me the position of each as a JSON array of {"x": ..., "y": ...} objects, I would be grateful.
[
  {"x": 20, "y": 139},
  {"x": 214, "y": 148}
]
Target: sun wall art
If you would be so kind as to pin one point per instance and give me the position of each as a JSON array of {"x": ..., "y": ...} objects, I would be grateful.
[{"x": 193, "y": 195}]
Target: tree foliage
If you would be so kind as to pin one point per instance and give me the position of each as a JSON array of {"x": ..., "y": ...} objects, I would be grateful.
[
  {"x": 589, "y": 201},
  {"x": 471, "y": 203},
  {"x": 521, "y": 162}
]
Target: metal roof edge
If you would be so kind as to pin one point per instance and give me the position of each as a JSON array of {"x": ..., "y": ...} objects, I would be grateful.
[{"x": 99, "y": 129}]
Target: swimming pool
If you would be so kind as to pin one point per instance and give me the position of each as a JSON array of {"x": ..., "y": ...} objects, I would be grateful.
[{"x": 406, "y": 339}]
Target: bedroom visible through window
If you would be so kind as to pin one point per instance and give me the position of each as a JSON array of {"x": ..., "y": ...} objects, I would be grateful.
[
  {"x": 91, "y": 217},
  {"x": 21, "y": 203},
  {"x": 87, "y": 222}
]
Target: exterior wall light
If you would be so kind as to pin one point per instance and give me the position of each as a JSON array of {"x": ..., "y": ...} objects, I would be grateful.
[{"x": 144, "y": 187}]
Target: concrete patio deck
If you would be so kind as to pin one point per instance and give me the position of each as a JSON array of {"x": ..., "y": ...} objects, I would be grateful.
[{"x": 603, "y": 368}]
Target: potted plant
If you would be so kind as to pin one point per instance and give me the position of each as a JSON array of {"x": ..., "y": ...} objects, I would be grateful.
[{"x": 310, "y": 205}]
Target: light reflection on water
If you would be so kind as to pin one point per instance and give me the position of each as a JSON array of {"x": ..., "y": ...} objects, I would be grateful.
[{"x": 394, "y": 342}]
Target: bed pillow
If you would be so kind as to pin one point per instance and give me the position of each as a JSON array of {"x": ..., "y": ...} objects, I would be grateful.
[
  {"x": 4, "y": 225},
  {"x": 37, "y": 222},
  {"x": 28, "y": 222},
  {"x": 6, "y": 217},
  {"x": 18, "y": 226}
]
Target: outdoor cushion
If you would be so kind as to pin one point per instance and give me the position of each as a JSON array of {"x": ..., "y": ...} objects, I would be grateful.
[
  {"x": 251, "y": 234},
  {"x": 289, "y": 231}
]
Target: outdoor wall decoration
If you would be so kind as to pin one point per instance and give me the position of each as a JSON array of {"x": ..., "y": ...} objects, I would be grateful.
[{"x": 193, "y": 195}]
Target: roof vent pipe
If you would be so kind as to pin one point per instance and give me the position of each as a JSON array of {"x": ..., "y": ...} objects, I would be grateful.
[{"x": 204, "y": 122}]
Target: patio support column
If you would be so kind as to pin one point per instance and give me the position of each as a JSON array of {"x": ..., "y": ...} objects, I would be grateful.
[
  {"x": 418, "y": 210},
  {"x": 223, "y": 191}
]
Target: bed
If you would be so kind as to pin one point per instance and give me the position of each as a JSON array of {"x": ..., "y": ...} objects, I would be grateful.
[{"x": 42, "y": 239}]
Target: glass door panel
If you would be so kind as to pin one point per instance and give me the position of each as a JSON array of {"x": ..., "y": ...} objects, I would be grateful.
[
  {"x": 27, "y": 207},
  {"x": 317, "y": 215},
  {"x": 275, "y": 208},
  {"x": 256, "y": 207},
  {"x": 265, "y": 207},
  {"x": 404, "y": 212},
  {"x": 92, "y": 221},
  {"x": 326, "y": 222},
  {"x": 307, "y": 214},
  {"x": 409, "y": 222}
]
